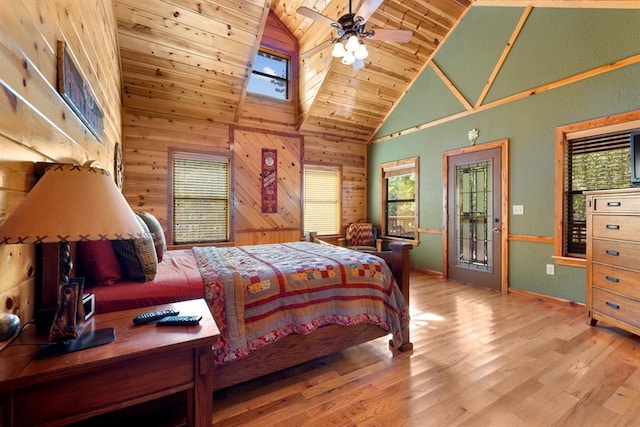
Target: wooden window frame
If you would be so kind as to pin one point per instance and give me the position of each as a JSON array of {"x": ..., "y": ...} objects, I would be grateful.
[
  {"x": 198, "y": 155},
  {"x": 324, "y": 167},
  {"x": 286, "y": 79},
  {"x": 607, "y": 124},
  {"x": 412, "y": 163}
]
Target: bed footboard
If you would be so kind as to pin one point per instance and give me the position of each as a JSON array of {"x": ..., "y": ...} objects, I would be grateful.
[{"x": 397, "y": 258}]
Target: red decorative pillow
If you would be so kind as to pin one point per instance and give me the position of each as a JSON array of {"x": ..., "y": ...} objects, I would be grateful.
[{"x": 99, "y": 262}]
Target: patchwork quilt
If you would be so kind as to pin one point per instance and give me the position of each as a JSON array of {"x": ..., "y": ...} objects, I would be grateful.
[{"x": 259, "y": 294}]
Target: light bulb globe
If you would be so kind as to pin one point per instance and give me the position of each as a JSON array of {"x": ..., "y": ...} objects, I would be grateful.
[
  {"x": 338, "y": 50},
  {"x": 348, "y": 58},
  {"x": 361, "y": 52},
  {"x": 352, "y": 44}
]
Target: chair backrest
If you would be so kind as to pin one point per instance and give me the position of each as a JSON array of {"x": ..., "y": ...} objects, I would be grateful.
[{"x": 360, "y": 234}]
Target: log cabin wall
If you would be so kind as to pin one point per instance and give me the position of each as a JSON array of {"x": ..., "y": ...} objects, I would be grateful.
[
  {"x": 351, "y": 157},
  {"x": 252, "y": 225},
  {"x": 154, "y": 125},
  {"x": 264, "y": 112},
  {"x": 35, "y": 122}
]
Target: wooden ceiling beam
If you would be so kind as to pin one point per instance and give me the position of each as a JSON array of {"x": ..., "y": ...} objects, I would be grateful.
[{"x": 249, "y": 64}]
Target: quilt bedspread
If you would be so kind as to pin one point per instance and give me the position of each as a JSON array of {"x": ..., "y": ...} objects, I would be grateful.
[{"x": 259, "y": 294}]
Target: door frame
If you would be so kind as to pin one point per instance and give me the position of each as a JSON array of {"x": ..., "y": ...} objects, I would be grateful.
[{"x": 503, "y": 144}]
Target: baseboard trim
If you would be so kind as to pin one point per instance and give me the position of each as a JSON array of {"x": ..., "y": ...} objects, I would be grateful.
[
  {"x": 426, "y": 271},
  {"x": 546, "y": 298}
]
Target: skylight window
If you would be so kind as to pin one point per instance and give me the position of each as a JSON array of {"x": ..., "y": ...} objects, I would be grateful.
[{"x": 270, "y": 75}]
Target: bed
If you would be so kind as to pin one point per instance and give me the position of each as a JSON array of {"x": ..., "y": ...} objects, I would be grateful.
[{"x": 279, "y": 305}]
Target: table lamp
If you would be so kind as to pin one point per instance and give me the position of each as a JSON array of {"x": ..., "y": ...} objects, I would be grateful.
[{"x": 71, "y": 203}]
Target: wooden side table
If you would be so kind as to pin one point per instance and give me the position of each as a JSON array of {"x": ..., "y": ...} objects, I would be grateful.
[{"x": 143, "y": 364}]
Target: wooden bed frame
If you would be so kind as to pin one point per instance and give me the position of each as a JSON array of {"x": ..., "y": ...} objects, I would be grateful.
[
  {"x": 295, "y": 349},
  {"x": 288, "y": 351}
]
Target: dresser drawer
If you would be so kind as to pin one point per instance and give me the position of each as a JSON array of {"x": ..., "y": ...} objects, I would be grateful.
[
  {"x": 622, "y": 227},
  {"x": 624, "y": 309},
  {"x": 614, "y": 279},
  {"x": 621, "y": 254},
  {"x": 615, "y": 203}
]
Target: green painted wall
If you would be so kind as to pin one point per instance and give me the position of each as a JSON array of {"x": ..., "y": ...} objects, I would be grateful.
[{"x": 554, "y": 44}]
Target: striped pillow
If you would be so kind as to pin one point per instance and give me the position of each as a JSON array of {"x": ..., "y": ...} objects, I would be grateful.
[
  {"x": 137, "y": 257},
  {"x": 157, "y": 233}
]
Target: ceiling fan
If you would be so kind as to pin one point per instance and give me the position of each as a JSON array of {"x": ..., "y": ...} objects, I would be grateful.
[{"x": 351, "y": 29}]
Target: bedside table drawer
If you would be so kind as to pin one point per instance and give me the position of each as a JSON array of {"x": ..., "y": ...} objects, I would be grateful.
[
  {"x": 621, "y": 254},
  {"x": 622, "y": 227},
  {"x": 97, "y": 391},
  {"x": 624, "y": 309},
  {"x": 616, "y": 280}
]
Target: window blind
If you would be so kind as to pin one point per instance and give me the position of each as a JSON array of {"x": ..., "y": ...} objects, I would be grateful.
[
  {"x": 200, "y": 199},
  {"x": 322, "y": 200},
  {"x": 595, "y": 162}
]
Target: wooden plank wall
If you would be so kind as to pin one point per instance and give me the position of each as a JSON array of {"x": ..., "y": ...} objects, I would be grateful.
[
  {"x": 352, "y": 157},
  {"x": 151, "y": 130},
  {"x": 263, "y": 112},
  {"x": 35, "y": 123},
  {"x": 252, "y": 226},
  {"x": 147, "y": 143}
]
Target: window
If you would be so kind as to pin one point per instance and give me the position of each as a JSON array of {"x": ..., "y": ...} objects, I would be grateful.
[
  {"x": 270, "y": 75},
  {"x": 322, "y": 195},
  {"x": 589, "y": 158},
  {"x": 200, "y": 190},
  {"x": 400, "y": 199},
  {"x": 593, "y": 163}
]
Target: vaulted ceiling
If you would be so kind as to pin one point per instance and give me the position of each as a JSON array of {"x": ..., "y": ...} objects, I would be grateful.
[{"x": 193, "y": 58}]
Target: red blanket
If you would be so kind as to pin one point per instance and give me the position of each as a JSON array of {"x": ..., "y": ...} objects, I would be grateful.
[{"x": 259, "y": 294}]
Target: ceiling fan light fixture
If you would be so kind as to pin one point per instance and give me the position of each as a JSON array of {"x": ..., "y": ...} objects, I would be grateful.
[
  {"x": 352, "y": 43},
  {"x": 351, "y": 29},
  {"x": 348, "y": 58},
  {"x": 361, "y": 52},
  {"x": 338, "y": 50}
]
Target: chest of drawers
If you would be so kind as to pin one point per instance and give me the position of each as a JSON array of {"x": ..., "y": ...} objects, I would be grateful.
[{"x": 613, "y": 258}]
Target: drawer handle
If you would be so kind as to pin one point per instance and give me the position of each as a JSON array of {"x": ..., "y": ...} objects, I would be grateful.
[
  {"x": 613, "y": 305},
  {"x": 612, "y": 279},
  {"x": 612, "y": 253},
  {"x": 613, "y": 227},
  {"x": 613, "y": 203}
]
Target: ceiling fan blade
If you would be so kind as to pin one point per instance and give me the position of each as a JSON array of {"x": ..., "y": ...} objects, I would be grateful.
[
  {"x": 309, "y": 53},
  {"x": 312, "y": 14},
  {"x": 359, "y": 63},
  {"x": 368, "y": 8},
  {"x": 401, "y": 36}
]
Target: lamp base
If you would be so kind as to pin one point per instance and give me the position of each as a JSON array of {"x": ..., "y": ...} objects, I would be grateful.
[{"x": 85, "y": 340}]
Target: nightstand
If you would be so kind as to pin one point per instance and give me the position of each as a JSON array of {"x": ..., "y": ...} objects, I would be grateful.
[{"x": 143, "y": 364}]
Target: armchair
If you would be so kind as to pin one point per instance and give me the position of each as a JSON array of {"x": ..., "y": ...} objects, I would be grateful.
[{"x": 361, "y": 236}]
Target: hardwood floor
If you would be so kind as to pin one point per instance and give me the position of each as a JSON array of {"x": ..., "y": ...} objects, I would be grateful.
[{"x": 480, "y": 359}]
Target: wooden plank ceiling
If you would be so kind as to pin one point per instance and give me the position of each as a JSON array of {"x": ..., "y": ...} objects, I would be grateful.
[{"x": 192, "y": 59}]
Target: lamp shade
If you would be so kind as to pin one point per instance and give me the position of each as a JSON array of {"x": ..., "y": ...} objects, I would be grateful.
[{"x": 71, "y": 203}]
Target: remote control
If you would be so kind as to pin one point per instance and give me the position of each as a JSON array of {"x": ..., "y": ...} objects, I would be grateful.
[
  {"x": 141, "y": 319},
  {"x": 179, "y": 321}
]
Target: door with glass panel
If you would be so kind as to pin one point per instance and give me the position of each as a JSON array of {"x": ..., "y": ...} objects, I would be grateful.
[{"x": 474, "y": 217}]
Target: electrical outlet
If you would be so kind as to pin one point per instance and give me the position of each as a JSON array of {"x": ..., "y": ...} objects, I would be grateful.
[
  {"x": 518, "y": 209},
  {"x": 551, "y": 269}
]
